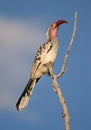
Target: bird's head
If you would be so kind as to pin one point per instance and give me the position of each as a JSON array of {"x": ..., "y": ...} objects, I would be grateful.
[{"x": 52, "y": 30}]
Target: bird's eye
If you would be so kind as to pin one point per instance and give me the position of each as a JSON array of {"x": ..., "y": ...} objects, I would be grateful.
[{"x": 53, "y": 25}]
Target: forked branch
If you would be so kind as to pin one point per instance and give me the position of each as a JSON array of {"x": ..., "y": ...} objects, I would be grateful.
[{"x": 65, "y": 113}]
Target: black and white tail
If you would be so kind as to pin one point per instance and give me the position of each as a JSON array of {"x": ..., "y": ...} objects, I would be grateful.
[{"x": 25, "y": 96}]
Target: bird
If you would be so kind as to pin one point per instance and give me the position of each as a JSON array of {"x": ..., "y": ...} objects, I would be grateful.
[{"x": 45, "y": 55}]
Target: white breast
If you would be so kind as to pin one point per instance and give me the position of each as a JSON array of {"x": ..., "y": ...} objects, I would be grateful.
[{"x": 51, "y": 55}]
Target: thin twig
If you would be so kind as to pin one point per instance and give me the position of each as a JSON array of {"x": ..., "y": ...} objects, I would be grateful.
[
  {"x": 55, "y": 84},
  {"x": 69, "y": 48}
]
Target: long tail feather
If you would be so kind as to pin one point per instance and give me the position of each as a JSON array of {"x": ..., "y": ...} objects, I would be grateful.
[{"x": 26, "y": 94}]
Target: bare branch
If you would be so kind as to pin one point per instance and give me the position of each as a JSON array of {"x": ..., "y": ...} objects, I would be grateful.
[
  {"x": 55, "y": 84},
  {"x": 69, "y": 48}
]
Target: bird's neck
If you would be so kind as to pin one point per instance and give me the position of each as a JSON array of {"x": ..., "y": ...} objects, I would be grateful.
[
  {"x": 53, "y": 40},
  {"x": 53, "y": 33}
]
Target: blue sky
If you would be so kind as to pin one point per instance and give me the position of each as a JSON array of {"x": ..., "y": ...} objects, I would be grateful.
[{"x": 23, "y": 25}]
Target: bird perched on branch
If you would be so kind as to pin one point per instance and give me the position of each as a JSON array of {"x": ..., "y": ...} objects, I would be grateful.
[{"x": 44, "y": 57}]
